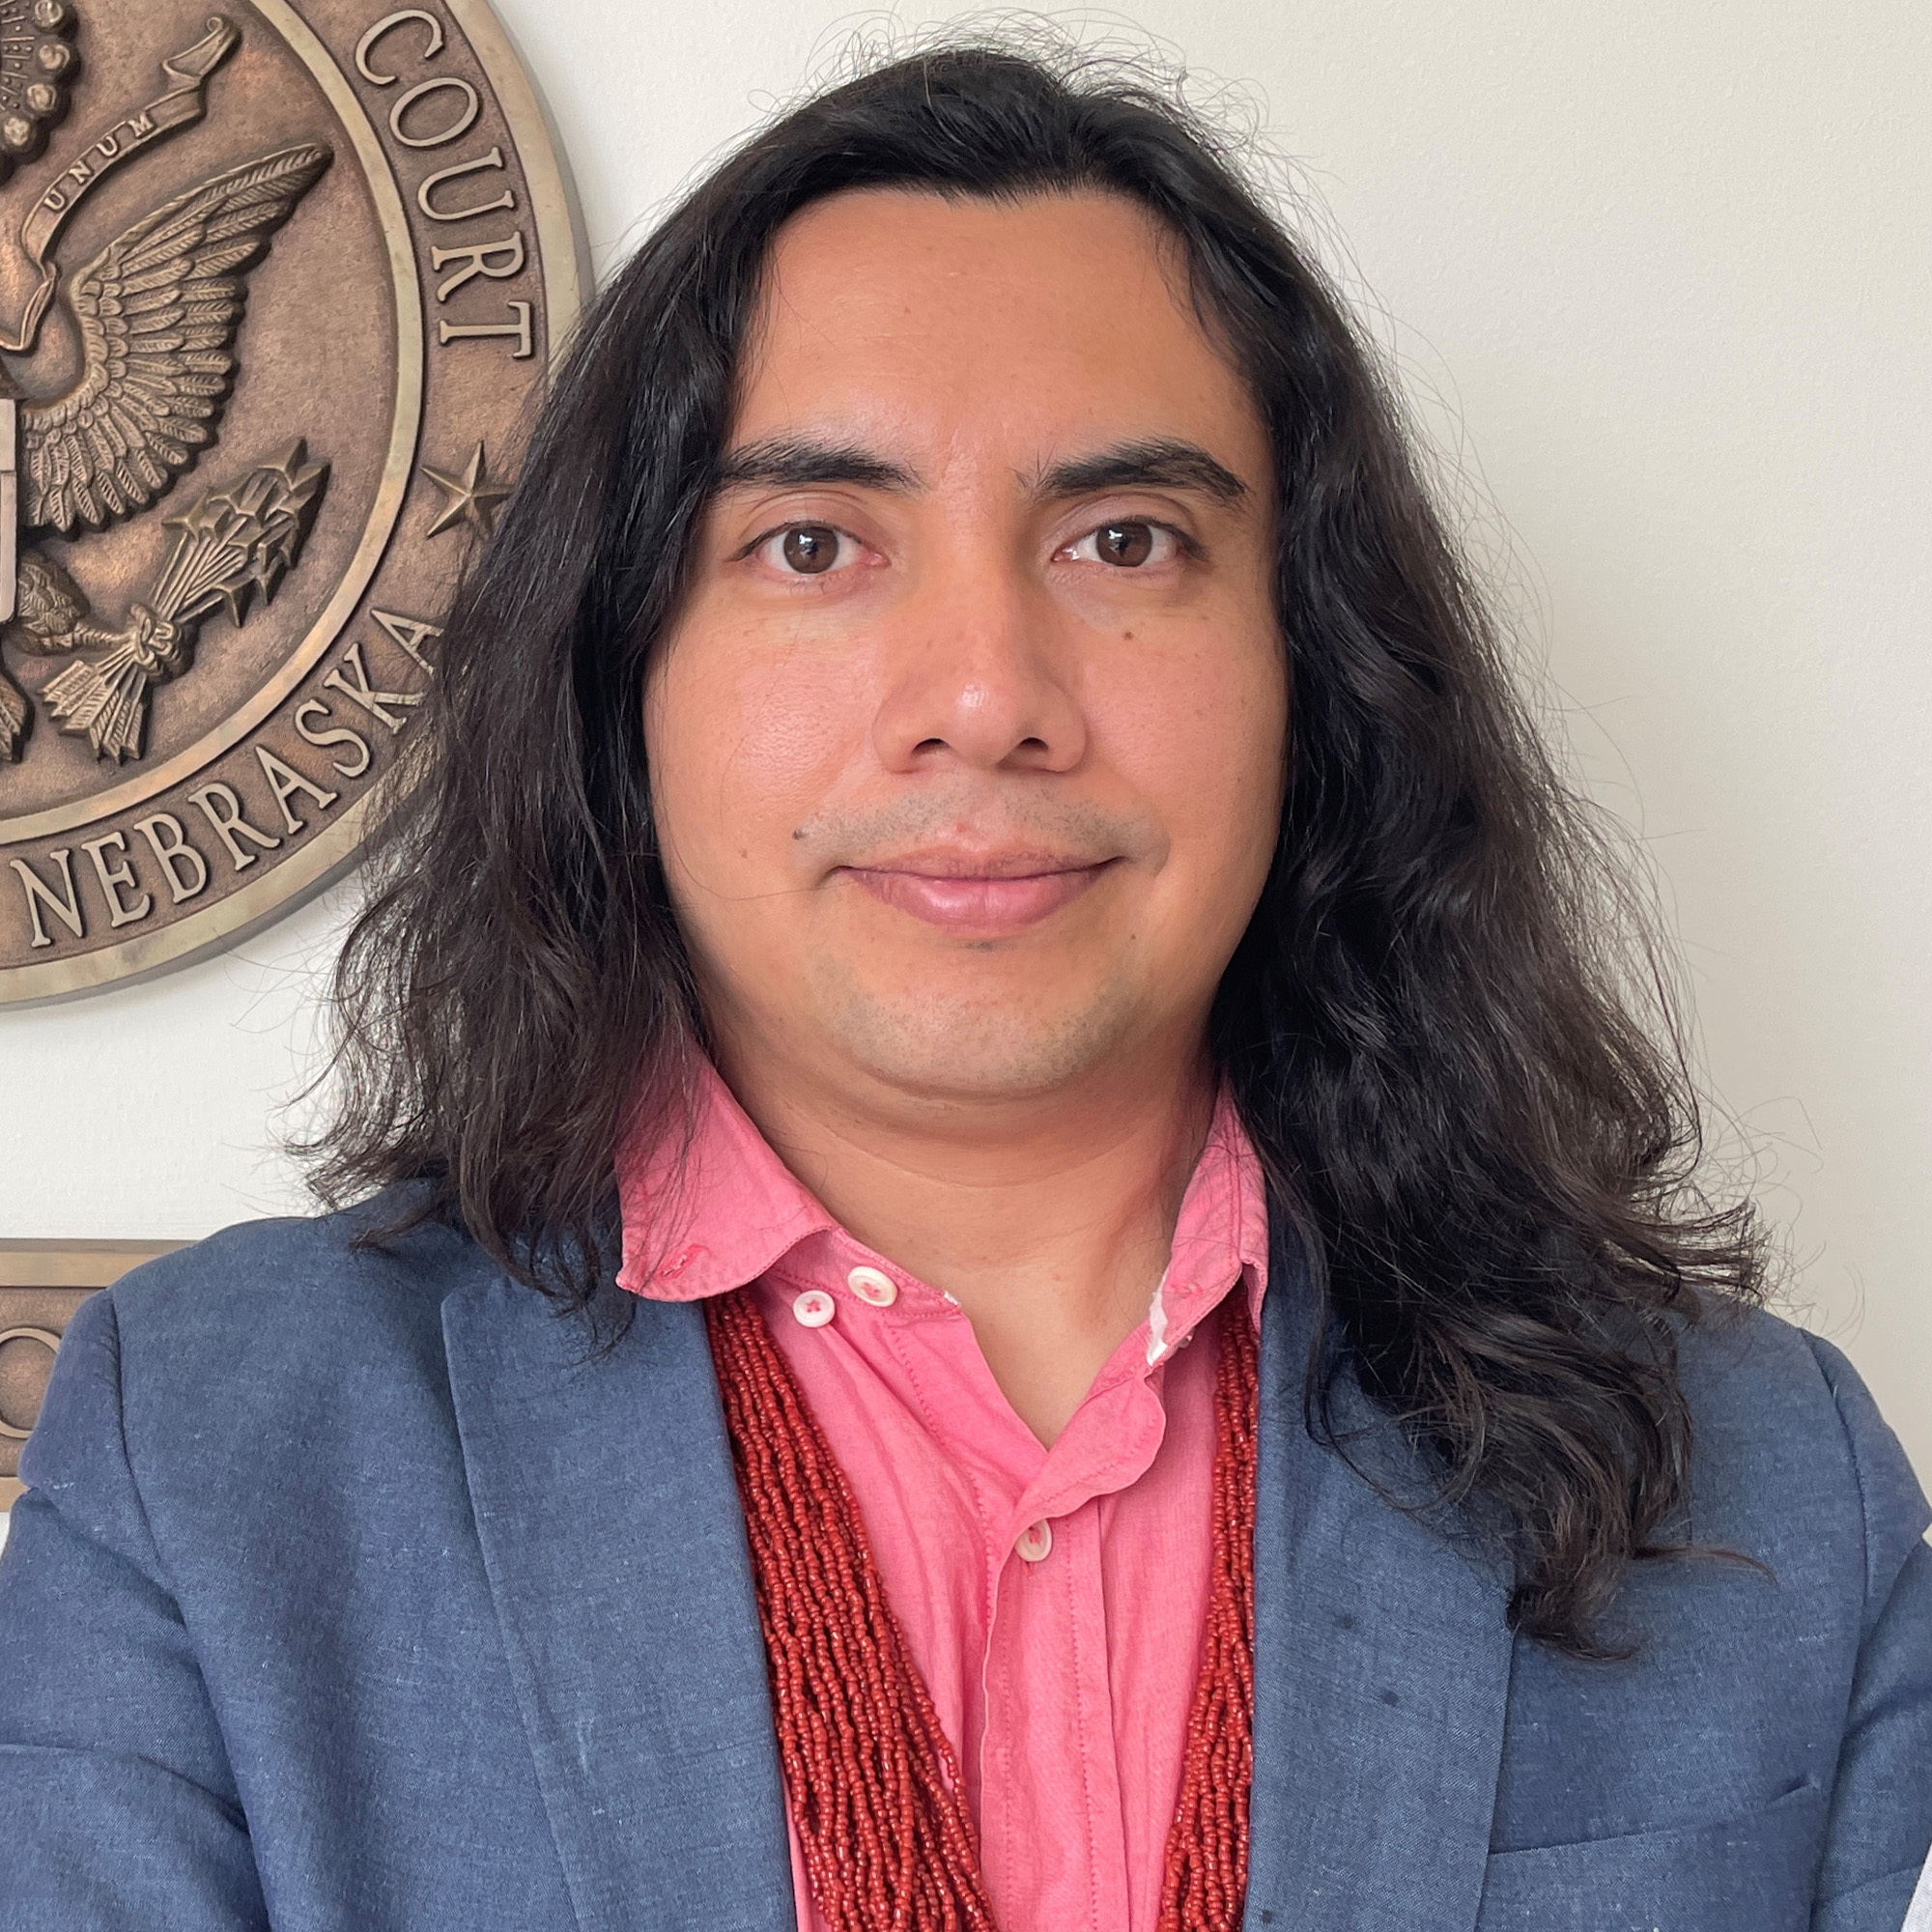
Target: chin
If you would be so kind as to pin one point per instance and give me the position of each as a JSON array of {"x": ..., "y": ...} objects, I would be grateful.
[{"x": 960, "y": 1049}]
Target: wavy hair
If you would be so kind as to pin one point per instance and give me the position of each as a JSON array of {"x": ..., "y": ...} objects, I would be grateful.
[{"x": 1445, "y": 1026}]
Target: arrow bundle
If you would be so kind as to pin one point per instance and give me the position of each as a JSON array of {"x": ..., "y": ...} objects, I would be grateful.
[{"x": 232, "y": 544}]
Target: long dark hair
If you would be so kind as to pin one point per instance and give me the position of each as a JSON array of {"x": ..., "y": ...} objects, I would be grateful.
[{"x": 1475, "y": 1109}]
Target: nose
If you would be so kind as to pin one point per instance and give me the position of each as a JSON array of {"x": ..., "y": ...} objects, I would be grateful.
[{"x": 978, "y": 679}]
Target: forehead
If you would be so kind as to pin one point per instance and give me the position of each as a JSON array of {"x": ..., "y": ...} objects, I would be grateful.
[{"x": 1042, "y": 322}]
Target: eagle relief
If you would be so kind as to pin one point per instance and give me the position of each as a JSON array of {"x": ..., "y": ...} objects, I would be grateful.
[{"x": 278, "y": 287}]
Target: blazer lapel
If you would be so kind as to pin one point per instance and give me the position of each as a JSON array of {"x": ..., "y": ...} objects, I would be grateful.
[
  {"x": 614, "y": 1546},
  {"x": 1381, "y": 1670}
]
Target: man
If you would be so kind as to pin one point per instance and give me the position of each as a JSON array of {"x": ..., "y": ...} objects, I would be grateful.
[{"x": 975, "y": 839}]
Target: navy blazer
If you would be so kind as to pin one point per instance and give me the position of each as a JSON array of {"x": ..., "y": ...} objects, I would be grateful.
[{"x": 352, "y": 1593}]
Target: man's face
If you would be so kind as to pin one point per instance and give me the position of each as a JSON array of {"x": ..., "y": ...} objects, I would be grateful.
[{"x": 968, "y": 740}]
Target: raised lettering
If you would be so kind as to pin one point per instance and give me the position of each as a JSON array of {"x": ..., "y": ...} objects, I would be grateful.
[
  {"x": 492, "y": 160},
  {"x": 117, "y": 878},
  {"x": 374, "y": 702},
  {"x": 366, "y": 45},
  {"x": 340, "y": 735},
  {"x": 465, "y": 115},
  {"x": 409, "y": 633},
  {"x": 65, "y": 907},
  {"x": 284, "y": 780},
  {"x": 447, "y": 332},
  {"x": 173, "y": 853},
  {"x": 482, "y": 258},
  {"x": 231, "y": 824}
]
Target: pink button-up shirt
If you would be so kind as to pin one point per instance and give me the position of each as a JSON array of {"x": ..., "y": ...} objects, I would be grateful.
[{"x": 1053, "y": 1599}]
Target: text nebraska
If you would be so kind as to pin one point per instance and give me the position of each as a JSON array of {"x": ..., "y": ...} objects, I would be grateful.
[{"x": 126, "y": 877}]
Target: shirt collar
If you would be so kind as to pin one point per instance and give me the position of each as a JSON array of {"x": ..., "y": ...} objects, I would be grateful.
[{"x": 713, "y": 1207}]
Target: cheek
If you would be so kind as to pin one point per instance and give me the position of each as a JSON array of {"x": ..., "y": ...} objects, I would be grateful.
[
  {"x": 1202, "y": 733},
  {"x": 744, "y": 741}
]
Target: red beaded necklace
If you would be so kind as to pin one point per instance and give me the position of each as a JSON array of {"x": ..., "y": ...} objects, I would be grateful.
[{"x": 874, "y": 1785}]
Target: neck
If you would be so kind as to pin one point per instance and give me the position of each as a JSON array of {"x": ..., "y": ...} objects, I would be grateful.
[{"x": 1048, "y": 1219}]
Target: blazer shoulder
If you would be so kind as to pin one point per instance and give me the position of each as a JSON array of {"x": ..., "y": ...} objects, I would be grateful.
[
  {"x": 1891, "y": 1498},
  {"x": 1789, "y": 1444},
  {"x": 272, "y": 1362},
  {"x": 308, "y": 1321},
  {"x": 320, "y": 1270}
]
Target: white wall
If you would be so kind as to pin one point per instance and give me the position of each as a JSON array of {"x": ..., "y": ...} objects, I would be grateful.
[{"x": 1658, "y": 278}]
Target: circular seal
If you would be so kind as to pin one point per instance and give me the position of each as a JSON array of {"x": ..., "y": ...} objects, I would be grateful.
[{"x": 275, "y": 299}]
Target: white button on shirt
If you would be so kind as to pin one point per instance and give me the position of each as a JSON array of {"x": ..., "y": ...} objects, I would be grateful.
[
  {"x": 815, "y": 1308},
  {"x": 1035, "y": 1541},
  {"x": 869, "y": 1283}
]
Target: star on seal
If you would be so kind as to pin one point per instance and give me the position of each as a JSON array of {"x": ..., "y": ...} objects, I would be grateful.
[{"x": 470, "y": 498}]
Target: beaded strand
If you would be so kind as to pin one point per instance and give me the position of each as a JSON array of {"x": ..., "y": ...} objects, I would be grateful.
[
  {"x": 875, "y": 1787},
  {"x": 875, "y": 1790},
  {"x": 1207, "y": 1874}
]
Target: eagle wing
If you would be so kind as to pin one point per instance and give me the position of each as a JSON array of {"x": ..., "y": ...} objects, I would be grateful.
[{"x": 158, "y": 309}]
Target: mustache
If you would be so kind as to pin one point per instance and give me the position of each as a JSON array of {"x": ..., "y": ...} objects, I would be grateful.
[{"x": 1012, "y": 828}]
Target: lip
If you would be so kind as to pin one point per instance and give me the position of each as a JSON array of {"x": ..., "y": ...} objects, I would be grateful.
[{"x": 980, "y": 896}]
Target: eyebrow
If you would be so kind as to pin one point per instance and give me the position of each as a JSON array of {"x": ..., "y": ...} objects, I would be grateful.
[
  {"x": 1159, "y": 462},
  {"x": 792, "y": 463},
  {"x": 1155, "y": 463}
]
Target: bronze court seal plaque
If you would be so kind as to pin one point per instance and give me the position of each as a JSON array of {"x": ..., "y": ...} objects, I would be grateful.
[{"x": 277, "y": 286}]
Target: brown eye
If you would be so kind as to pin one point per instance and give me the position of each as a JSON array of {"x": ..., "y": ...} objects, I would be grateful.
[
  {"x": 810, "y": 549},
  {"x": 1124, "y": 544},
  {"x": 1134, "y": 542}
]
